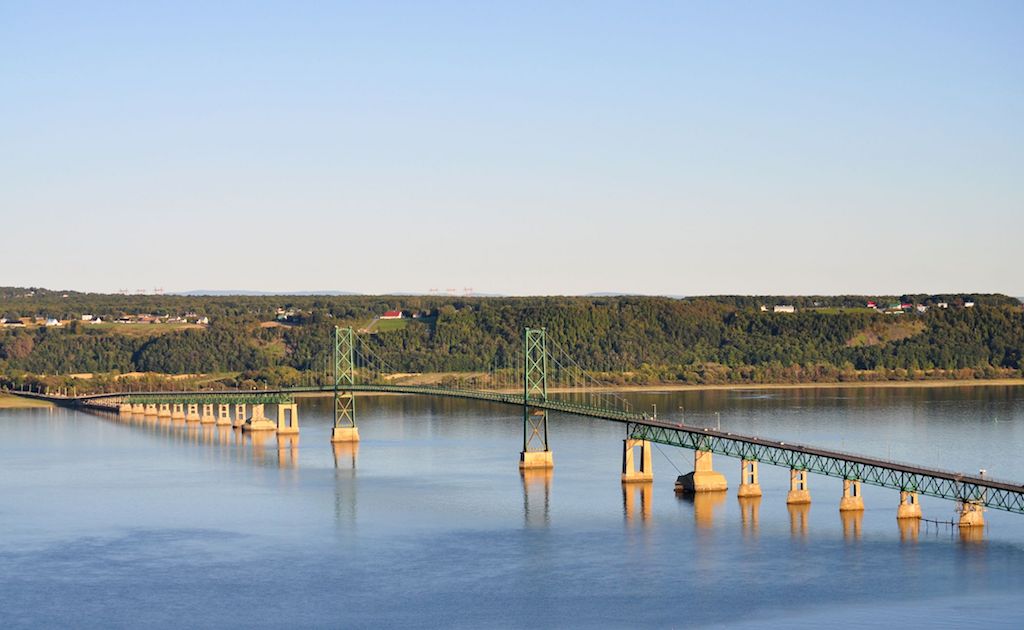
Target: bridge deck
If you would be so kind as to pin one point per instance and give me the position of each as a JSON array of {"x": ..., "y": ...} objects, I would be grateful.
[{"x": 1001, "y": 495}]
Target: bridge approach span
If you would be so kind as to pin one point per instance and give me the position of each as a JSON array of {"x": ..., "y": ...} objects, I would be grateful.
[{"x": 955, "y": 486}]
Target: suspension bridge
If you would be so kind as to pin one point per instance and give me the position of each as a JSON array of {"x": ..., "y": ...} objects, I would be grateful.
[{"x": 542, "y": 378}]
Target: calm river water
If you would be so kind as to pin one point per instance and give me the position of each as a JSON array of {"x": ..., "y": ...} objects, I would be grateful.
[{"x": 110, "y": 523}]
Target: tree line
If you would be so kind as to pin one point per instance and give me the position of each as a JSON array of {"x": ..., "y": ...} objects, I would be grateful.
[{"x": 620, "y": 339}]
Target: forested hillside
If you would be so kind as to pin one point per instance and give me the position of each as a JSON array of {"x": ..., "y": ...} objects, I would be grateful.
[{"x": 624, "y": 339}]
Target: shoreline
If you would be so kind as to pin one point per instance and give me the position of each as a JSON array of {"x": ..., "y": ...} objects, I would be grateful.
[
  {"x": 670, "y": 387},
  {"x": 10, "y": 401}
]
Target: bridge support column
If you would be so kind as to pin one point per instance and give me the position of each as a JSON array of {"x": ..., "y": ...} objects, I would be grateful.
[
  {"x": 287, "y": 418},
  {"x": 703, "y": 478},
  {"x": 239, "y": 416},
  {"x": 151, "y": 410},
  {"x": 535, "y": 430},
  {"x": 852, "y": 500},
  {"x": 798, "y": 491},
  {"x": 164, "y": 410},
  {"x": 258, "y": 421},
  {"x": 124, "y": 409},
  {"x": 177, "y": 411},
  {"x": 193, "y": 413},
  {"x": 139, "y": 408},
  {"x": 750, "y": 485},
  {"x": 972, "y": 514},
  {"x": 207, "y": 416},
  {"x": 223, "y": 415},
  {"x": 910, "y": 506},
  {"x": 630, "y": 474}
]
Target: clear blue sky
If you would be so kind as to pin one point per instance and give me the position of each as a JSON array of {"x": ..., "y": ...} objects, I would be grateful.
[{"x": 513, "y": 147}]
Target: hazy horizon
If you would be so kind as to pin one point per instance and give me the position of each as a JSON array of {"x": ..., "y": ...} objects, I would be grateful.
[{"x": 534, "y": 148}]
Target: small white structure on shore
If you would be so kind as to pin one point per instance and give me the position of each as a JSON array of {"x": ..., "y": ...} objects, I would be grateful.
[{"x": 784, "y": 308}]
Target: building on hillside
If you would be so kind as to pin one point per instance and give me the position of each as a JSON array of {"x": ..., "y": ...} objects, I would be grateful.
[
  {"x": 52, "y": 322},
  {"x": 921, "y": 308},
  {"x": 204, "y": 320},
  {"x": 872, "y": 305},
  {"x": 784, "y": 308},
  {"x": 942, "y": 305},
  {"x": 86, "y": 318},
  {"x": 968, "y": 304},
  {"x": 392, "y": 315}
]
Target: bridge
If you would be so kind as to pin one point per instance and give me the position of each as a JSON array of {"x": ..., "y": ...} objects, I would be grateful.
[{"x": 524, "y": 382}]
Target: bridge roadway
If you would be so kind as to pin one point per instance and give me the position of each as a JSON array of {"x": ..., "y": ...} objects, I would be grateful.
[{"x": 955, "y": 486}]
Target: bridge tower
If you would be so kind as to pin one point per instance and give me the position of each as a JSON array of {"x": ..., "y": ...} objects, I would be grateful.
[
  {"x": 345, "y": 429},
  {"x": 535, "y": 453}
]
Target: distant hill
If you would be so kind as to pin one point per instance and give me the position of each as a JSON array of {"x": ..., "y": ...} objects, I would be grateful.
[{"x": 248, "y": 292}]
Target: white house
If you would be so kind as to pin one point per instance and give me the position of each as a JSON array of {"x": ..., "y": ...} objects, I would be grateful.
[{"x": 784, "y": 308}]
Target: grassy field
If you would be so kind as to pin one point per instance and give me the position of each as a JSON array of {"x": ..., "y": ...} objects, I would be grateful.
[
  {"x": 8, "y": 401},
  {"x": 385, "y": 325},
  {"x": 884, "y": 332}
]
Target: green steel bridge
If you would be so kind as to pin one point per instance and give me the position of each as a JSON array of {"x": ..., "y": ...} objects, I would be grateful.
[{"x": 594, "y": 400}]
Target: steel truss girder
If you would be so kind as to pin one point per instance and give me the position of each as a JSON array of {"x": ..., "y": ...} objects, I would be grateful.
[
  {"x": 943, "y": 487},
  {"x": 233, "y": 398}
]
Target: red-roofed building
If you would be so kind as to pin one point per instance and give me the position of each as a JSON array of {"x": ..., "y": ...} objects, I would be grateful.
[{"x": 392, "y": 315}]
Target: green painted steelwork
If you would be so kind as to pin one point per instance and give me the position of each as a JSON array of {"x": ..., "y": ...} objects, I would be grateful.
[
  {"x": 344, "y": 378},
  {"x": 204, "y": 398},
  {"x": 954, "y": 486},
  {"x": 893, "y": 475},
  {"x": 535, "y": 389}
]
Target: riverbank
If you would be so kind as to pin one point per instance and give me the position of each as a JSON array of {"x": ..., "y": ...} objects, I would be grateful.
[
  {"x": 672, "y": 387},
  {"x": 8, "y": 401}
]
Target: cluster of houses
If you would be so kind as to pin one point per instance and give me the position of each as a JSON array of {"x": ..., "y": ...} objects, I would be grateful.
[
  {"x": 893, "y": 309},
  {"x": 906, "y": 307},
  {"x": 142, "y": 318},
  {"x": 402, "y": 315}
]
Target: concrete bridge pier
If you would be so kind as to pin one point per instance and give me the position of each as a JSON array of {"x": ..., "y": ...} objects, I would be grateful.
[
  {"x": 193, "y": 413},
  {"x": 972, "y": 514},
  {"x": 852, "y": 500},
  {"x": 239, "y": 416},
  {"x": 750, "y": 485},
  {"x": 163, "y": 410},
  {"x": 259, "y": 422},
  {"x": 139, "y": 408},
  {"x": 178, "y": 411},
  {"x": 910, "y": 506},
  {"x": 535, "y": 432},
  {"x": 224, "y": 415},
  {"x": 207, "y": 416},
  {"x": 798, "y": 491},
  {"x": 630, "y": 474},
  {"x": 124, "y": 409},
  {"x": 287, "y": 419},
  {"x": 151, "y": 410},
  {"x": 703, "y": 478}
]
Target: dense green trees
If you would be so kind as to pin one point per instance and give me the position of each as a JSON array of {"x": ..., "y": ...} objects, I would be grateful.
[{"x": 626, "y": 339}]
